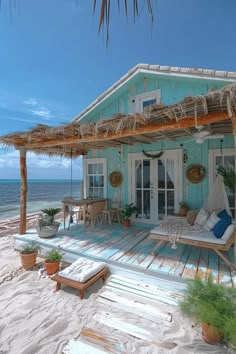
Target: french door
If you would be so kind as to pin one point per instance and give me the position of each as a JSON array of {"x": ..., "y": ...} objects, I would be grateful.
[{"x": 155, "y": 185}]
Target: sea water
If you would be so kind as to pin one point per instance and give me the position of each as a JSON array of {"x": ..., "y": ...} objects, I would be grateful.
[{"x": 41, "y": 194}]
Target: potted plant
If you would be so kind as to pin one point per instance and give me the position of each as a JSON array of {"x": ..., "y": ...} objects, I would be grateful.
[
  {"x": 28, "y": 255},
  {"x": 127, "y": 212},
  {"x": 184, "y": 208},
  {"x": 214, "y": 306},
  {"x": 52, "y": 262},
  {"x": 46, "y": 226}
]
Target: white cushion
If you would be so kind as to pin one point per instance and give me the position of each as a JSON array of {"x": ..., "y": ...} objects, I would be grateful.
[
  {"x": 203, "y": 236},
  {"x": 211, "y": 221},
  {"x": 202, "y": 217},
  {"x": 82, "y": 269},
  {"x": 228, "y": 232}
]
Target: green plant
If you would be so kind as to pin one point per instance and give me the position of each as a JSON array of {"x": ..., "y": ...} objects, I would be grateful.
[
  {"x": 128, "y": 211},
  {"x": 229, "y": 177},
  {"x": 184, "y": 205},
  {"x": 54, "y": 256},
  {"x": 29, "y": 248},
  {"x": 213, "y": 304},
  {"x": 48, "y": 219}
]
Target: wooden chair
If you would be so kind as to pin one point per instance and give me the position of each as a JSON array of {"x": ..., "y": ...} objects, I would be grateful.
[
  {"x": 112, "y": 214},
  {"x": 94, "y": 212}
]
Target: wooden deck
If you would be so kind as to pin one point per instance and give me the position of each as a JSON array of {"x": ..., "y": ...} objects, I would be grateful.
[{"x": 131, "y": 247}]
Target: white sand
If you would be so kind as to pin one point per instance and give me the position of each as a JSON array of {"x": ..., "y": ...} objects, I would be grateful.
[{"x": 35, "y": 319}]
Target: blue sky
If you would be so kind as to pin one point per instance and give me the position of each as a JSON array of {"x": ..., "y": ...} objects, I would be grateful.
[{"x": 53, "y": 63}]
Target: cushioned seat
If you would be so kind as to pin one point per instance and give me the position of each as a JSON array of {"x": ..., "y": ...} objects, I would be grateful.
[
  {"x": 81, "y": 274},
  {"x": 82, "y": 269},
  {"x": 201, "y": 236}
]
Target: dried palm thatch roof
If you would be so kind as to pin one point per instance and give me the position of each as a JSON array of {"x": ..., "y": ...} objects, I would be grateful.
[{"x": 157, "y": 122}]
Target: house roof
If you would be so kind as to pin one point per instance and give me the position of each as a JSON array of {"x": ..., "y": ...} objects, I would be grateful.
[
  {"x": 158, "y": 70},
  {"x": 158, "y": 122}
]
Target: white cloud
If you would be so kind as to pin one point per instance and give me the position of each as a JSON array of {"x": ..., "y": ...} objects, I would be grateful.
[
  {"x": 31, "y": 101},
  {"x": 42, "y": 113},
  {"x": 38, "y": 109}
]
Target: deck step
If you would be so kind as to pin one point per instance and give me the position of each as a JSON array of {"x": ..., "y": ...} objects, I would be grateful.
[
  {"x": 80, "y": 347},
  {"x": 144, "y": 292},
  {"x": 121, "y": 324}
]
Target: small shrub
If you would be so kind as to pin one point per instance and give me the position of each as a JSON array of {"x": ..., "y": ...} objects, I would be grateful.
[
  {"x": 54, "y": 256},
  {"x": 213, "y": 304},
  {"x": 29, "y": 248}
]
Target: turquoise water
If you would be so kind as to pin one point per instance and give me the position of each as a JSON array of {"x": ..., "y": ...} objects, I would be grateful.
[{"x": 41, "y": 194}]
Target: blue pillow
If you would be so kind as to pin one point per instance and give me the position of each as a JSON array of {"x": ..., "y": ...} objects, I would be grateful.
[
  {"x": 221, "y": 226},
  {"x": 223, "y": 214}
]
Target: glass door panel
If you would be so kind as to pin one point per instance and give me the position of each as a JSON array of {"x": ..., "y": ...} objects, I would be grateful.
[{"x": 143, "y": 189}]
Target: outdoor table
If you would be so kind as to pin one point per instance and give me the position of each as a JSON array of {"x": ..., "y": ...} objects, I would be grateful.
[{"x": 70, "y": 202}]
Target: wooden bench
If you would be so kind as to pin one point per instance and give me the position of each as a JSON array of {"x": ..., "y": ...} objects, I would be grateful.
[
  {"x": 81, "y": 286},
  {"x": 218, "y": 248}
]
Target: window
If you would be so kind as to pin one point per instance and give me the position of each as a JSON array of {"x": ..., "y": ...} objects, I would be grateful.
[
  {"x": 95, "y": 177},
  {"x": 225, "y": 158},
  {"x": 147, "y": 99}
]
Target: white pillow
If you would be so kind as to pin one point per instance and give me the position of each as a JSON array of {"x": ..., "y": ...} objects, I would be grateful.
[
  {"x": 202, "y": 217},
  {"x": 211, "y": 221},
  {"x": 228, "y": 232}
]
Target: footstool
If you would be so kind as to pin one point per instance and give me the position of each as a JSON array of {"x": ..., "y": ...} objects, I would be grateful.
[{"x": 81, "y": 274}]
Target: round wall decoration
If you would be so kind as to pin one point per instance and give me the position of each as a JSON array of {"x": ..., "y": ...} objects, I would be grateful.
[
  {"x": 115, "y": 179},
  {"x": 195, "y": 173}
]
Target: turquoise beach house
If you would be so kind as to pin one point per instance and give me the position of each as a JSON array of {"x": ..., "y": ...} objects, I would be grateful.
[{"x": 157, "y": 185}]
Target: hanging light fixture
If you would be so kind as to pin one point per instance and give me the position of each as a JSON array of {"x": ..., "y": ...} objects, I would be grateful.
[{"x": 185, "y": 155}]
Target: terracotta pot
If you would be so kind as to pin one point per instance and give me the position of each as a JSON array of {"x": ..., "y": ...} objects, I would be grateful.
[
  {"x": 126, "y": 223},
  {"x": 28, "y": 260},
  {"x": 211, "y": 334},
  {"x": 183, "y": 211},
  {"x": 52, "y": 267}
]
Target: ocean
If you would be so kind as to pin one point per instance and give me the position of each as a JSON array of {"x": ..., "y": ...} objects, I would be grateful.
[{"x": 41, "y": 194}]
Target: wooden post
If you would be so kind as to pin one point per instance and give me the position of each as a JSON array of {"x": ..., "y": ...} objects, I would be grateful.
[{"x": 23, "y": 190}]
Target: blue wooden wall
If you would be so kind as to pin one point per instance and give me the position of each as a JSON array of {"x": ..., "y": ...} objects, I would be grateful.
[{"x": 173, "y": 89}]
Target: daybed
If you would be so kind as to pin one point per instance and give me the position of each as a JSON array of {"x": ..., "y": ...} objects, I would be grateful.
[{"x": 203, "y": 239}]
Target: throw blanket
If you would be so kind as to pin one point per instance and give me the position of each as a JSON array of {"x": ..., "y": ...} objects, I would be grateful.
[{"x": 175, "y": 226}]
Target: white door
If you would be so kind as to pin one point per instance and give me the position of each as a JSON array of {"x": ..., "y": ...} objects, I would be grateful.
[{"x": 155, "y": 185}]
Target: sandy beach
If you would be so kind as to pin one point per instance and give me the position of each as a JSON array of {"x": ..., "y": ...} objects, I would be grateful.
[{"x": 36, "y": 319}]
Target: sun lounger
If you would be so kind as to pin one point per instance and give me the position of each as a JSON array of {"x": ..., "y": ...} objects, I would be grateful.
[
  {"x": 204, "y": 239},
  {"x": 81, "y": 274}
]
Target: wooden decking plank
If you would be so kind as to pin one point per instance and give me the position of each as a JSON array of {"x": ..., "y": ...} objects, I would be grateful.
[
  {"x": 202, "y": 269},
  {"x": 142, "y": 314},
  {"x": 143, "y": 253},
  {"x": 134, "y": 252},
  {"x": 117, "y": 288},
  {"x": 190, "y": 269},
  {"x": 224, "y": 274},
  {"x": 98, "y": 249},
  {"x": 161, "y": 257},
  {"x": 121, "y": 324},
  {"x": 128, "y": 243},
  {"x": 127, "y": 247},
  {"x": 141, "y": 305},
  {"x": 173, "y": 259},
  {"x": 178, "y": 271},
  {"x": 213, "y": 267},
  {"x": 111, "y": 344},
  {"x": 78, "y": 346},
  {"x": 129, "y": 283}
]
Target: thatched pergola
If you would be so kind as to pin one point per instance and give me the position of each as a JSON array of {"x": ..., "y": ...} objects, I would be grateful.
[{"x": 158, "y": 122}]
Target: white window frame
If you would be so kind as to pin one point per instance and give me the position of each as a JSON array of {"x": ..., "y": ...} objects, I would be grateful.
[
  {"x": 85, "y": 174},
  {"x": 151, "y": 95}
]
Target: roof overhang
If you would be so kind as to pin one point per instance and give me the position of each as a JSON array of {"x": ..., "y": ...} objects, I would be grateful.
[{"x": 158, "y": 70}]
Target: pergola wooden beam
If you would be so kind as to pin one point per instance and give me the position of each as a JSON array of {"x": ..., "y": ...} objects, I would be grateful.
[
  {"x": 23, "y": 191},
  {"x": 183, "y": 123}
]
